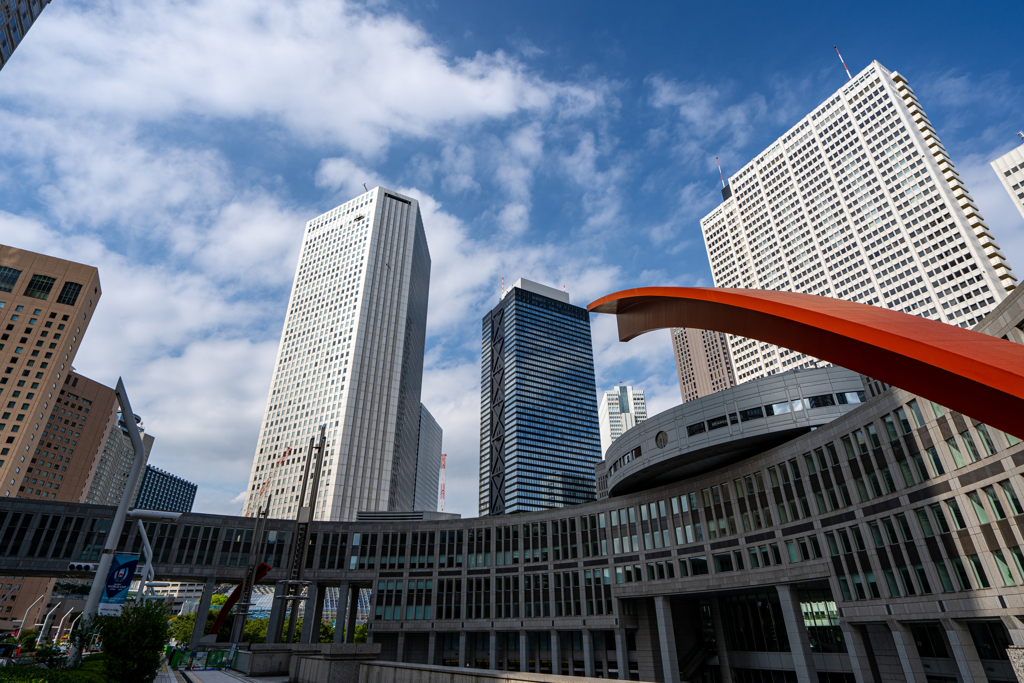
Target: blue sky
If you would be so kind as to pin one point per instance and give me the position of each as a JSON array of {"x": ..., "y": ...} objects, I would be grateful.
[{"x": 180, "y": 146}]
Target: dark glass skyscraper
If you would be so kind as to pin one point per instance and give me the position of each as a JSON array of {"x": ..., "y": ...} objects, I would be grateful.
[{"x": 539, "y": 435}]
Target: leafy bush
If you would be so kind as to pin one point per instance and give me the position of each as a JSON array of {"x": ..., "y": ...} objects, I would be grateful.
[
  {"x": 34, "y": 674},
  {"x": 134, "y": 641}
]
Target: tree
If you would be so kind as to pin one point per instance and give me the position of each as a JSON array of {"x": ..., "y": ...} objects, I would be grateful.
[
  {"x": 182, "y": 626},
  {"x": 256, "y": 630},
  {"x": 361, "y": 630},
  {"x": 326, "y": 632},
  {"x": 219, "y": 599},
  {"x": 134, "y": 641}
]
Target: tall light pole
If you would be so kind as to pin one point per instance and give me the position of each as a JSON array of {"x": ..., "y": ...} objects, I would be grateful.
[
  {"x": 26, "y": 615},
  {"x": 114, "y": 535}
]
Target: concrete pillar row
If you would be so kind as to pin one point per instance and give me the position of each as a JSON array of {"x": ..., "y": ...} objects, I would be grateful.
[
  {"x": 857, "y": 651},
  {"x": 401, "y": 647},
  {"x": 353, "y": 612},
  {"x": 314, "y": 613},
  {"x": 966, "y": 656},
  {"x": 462, "y": 649},
  {"x": 339, "y": 614},
  {"x": 492, "y": 640},
  {"x": 799, "y": 644},
  {"x": 524, "y": 651},
  {"x": 588, "y": 654},
  {"x": 431, "y": 648},
  {"x": 277, "y": 610},
  {"x": 556, "y": 654},
  {"x": 720, "y": 645},
  {"x": 667, "y": 636},
  {"x": 913, "y": 669},
  {"x": 622, "y": 653},
  {"x": 204, "y": 609}
]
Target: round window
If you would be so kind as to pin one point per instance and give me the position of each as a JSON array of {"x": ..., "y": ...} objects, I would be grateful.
[{"x": 661, "y": 439}]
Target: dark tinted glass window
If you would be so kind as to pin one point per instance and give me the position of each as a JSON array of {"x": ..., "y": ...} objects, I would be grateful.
[
  {"x": 39, "y": 286},
  {"x": 69, "y": 294},
  {"x": 8, "y": 276}
]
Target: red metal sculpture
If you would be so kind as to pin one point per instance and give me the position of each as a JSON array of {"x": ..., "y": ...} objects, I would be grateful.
[{"x": 970, "y": 372}]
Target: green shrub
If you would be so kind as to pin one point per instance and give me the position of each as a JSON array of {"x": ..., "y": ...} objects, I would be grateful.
[{"x": 134, "y": 641}]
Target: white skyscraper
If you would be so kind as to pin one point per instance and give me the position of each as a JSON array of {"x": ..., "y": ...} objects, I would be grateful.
[
  {"x": 857, "y": 201},
  {"x": 428, "y": 462},
  {"x": 621, "y": 408},
  {"x": 1010, "y": 169},
  {"x": 351, "y": 357}
]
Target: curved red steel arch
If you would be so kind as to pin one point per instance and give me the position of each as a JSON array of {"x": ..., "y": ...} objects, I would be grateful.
[{"x": 970, "y": 372}]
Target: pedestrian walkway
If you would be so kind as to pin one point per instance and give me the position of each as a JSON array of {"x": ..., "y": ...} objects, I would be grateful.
[{"x": 214, "y": 676}]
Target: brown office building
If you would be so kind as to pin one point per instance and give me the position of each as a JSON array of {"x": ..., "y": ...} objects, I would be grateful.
[
  {"x": 702, "y": 361},
  {"x": 46, "y": 304}
]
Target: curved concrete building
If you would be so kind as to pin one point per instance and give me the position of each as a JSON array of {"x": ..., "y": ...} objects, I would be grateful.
[{"x": 854, "y": 542}]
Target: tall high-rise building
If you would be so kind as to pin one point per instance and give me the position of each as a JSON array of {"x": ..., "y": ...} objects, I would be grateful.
[
  {"x": 539, "y": 434},
  {"x": 428, "y": 462},
  {"x": 1010, "y": 169},
  {"x": 161, "y": 490},
  {"x": 620, "y": 409},
  {"x": 351, "y": 358},
  {"x": 16, "y": 18},
  {"x": 702, "y": 362},
  {"x": 857, "y": 201},
  {"x": 113, "y": 463},
  {"x": 46, "y": 305}
]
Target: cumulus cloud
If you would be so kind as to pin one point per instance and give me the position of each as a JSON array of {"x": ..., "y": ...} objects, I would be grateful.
[{"x": 330, "y": 72}]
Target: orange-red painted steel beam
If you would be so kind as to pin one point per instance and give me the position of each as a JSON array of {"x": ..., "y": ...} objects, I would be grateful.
[{"x": 970, "y": 372}]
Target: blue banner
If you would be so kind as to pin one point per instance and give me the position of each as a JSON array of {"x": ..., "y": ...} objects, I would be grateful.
[{"x": 119, "y": 578}]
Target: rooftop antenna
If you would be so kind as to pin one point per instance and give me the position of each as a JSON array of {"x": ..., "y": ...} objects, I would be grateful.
[
  {"x": 502, "y": 286},
  {"x": 720, "y": 172},
  {"x": 1020, "y": 134},
  {"x": 841, "y": 60},
  {"x": 365, "y": 188}
]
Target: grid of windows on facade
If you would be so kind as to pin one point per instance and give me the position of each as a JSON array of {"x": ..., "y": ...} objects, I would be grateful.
[
  {"x": 164, "y": 491},
  {"x": 855, "y": 203},
  {"x": 551, "y": 427},
  {"x": 16, "y": 18},
  {"x": 57, "y": 443}
]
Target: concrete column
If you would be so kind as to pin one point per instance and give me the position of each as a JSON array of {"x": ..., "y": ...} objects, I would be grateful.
[
  {"x": 524, "y": 650},
  {"x": 204, "y": 609},
  {"x": 556, "y": 653},
  {"x": 462, "y": 649},
  {"x": 432, "y": 648},
  {"x": 723, "y": 651},
  {"x": 401, "y": 646},
  {"x": 913, "y": 669},
  {"x": 971, "y": 668},
  {"x": 857, "y": 651},
  {"x": 353, "y": 612},
  {"x": 277, "y": 609},
  {"x": 340, "y": 612},
  {"x": 667, "y": 636},
  {"x": 622, "y": 653},
  {"x": 492, "y": 641},
  {"x": 588, "y": 655},
  {"x": 314, "y": 613},
  {"x": 799, "y": 644}
]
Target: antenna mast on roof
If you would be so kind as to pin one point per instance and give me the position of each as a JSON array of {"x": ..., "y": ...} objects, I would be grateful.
[
  {"x": 365, "y": 188},
  {"x": 841, "y": 60},
  {"x": 720, "y": 172}
]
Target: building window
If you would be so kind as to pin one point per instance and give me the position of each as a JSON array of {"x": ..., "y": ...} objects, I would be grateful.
[
  {"x": 8, "y": 276},
  {"x": 69, "y": 294},
  {"x": 39, "y": 286}
]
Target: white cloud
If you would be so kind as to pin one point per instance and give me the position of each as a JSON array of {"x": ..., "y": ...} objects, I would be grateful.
[{"x": 329, "y": 72}]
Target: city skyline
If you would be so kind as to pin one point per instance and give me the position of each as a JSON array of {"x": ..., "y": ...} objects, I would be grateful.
[{"x": 557, "y": 153}]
